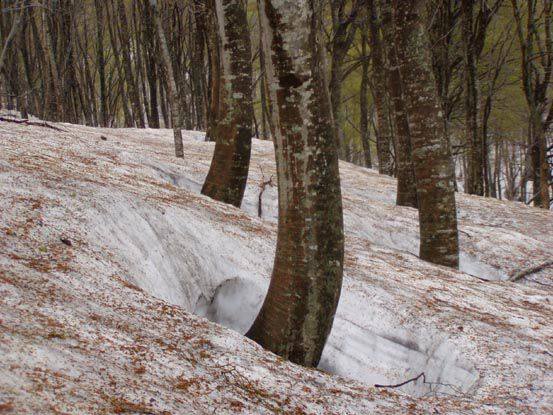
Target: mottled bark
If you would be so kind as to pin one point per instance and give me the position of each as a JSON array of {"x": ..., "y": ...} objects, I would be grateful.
[
  {"x": 233, "y": 112},
  {"x": 297, "y": 314},
  {"x": 406, "y": 188},
  {"x": 430, "y": 150}
]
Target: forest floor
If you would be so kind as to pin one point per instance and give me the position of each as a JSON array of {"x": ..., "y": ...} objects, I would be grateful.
[{"x": 110, "y": 259}]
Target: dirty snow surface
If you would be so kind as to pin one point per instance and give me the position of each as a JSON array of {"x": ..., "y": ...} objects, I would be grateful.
[{"x": 114, "y": 272}]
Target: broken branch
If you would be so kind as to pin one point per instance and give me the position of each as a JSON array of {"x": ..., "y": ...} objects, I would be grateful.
[
  {"x": 403, "y": 383},
  {"x": 529, "y": 271},
  {"x": 28, "y": 122}
]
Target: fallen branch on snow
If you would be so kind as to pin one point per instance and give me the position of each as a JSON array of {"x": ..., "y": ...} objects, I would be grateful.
[
  {"x": 529, "y": 271},
  {"x": 29, "y": 122},
  {"x": 403, "y": 383},
  {"x": 455, "y": 389}
]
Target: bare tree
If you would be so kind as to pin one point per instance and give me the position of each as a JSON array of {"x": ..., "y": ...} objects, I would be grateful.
[
  {"x": 16, "y": 24},
  {"x": 232, "y": 109},
  {"x": 174, "y": 101},
  {"x": 431, "y": 154},
  {"x": 380, "y": 93},
  {"x": 537, "y": 68},
  {"x": 297, "y": 315},
  {"x": 473, "y": 36},
  {"x": 406, "y": 187},
  {"x": 344, "y": 27}
]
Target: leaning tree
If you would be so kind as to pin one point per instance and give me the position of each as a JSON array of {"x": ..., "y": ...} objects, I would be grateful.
[{"x": 231, "y": 101}]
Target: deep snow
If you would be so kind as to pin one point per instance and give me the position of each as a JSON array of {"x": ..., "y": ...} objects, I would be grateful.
[{"x": 137, "y": 217}]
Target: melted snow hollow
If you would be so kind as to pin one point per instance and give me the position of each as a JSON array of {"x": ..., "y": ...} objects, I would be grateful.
[{"x": 107, "y": 323}]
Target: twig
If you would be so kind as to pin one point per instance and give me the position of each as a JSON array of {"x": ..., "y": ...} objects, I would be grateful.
[
  {"x": 529, "y": 271},
  {"x": 403, "y": 383},
  {"x": 28, "y": 122},
  {"x": 263, "y": 184}
]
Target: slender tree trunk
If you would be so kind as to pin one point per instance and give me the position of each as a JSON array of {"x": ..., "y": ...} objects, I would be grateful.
[
  {"x": 101, "y": 63},
  {"x": 228, "y": 173},
  {"x": 149, "y": 38},
  {"x": 344, "y": 27},
  {"x": 364, "y": 98},
  {"x": 297, "y": 315},
  {"x": 536, "y": 84},
  {"x": 406, "y": 188},
  {"x": 379, "y": 81},
  {"x": 55, "y": 110},
  {"x": 16, "y": 25},
  {"x": 434, "y": 174},
  {"x": 474, "y": 180},
  {"x": 132, "y": 84},
  {"x": 171, "y": 84}
]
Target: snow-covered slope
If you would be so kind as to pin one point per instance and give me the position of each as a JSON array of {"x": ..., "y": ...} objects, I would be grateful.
[{"x": 102, "y": 323}]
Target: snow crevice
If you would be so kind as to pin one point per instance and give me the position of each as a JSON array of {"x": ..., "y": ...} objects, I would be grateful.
[{"x": 357, "y": 351}]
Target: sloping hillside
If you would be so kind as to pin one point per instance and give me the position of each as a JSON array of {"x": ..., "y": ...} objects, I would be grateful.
[{"x": 107, "y": 249}]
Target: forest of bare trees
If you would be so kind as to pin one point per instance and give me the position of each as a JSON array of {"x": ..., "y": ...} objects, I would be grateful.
[
  {"x": 125, "y": 63},
  {"x": 444, "y": 95}
]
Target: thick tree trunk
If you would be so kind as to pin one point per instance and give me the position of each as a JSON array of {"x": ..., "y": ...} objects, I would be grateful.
[
  {"x": 232, "y": 130},
  {"x": 297, "y": 315},
  {"x": 430, "y": 150}
]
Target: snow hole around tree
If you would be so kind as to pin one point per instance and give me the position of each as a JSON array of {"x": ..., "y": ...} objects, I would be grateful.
[
  {"x": 366, "y": 343},
  {"x": 356, "y": 352}
]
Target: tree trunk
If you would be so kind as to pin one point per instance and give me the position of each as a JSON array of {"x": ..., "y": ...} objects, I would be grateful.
[
  {"x": 297, "y": 315},
  {"x": 132, "y": 84},
  {"x": 228, "y": 173},
  {"x": 364, "y": 98},
  {"x": 171, "y": 84},
  {"x": 150, "y": 49},
  {"x": 474, "y": 180},
  {"x": 406, "y": 188},
  {"x": 16, "y": 25},
  {"x": 431, "y": 155},
  {"x": 384, "y": 132},
  {"x": 343, "y": 32}
]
